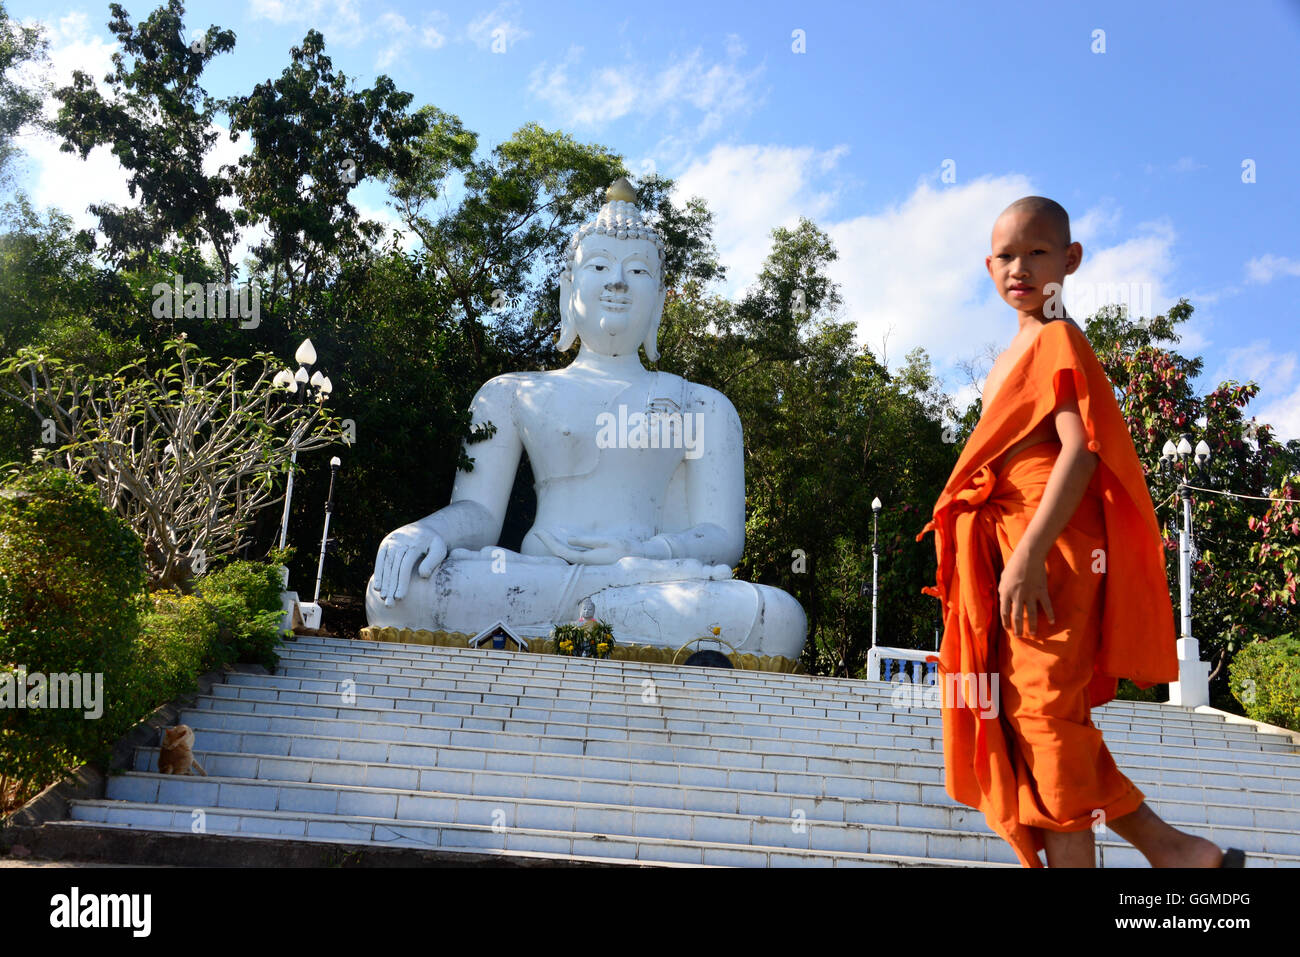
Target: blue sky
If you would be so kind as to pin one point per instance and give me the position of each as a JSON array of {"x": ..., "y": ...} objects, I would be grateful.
[{"x": 900, "y": 129}]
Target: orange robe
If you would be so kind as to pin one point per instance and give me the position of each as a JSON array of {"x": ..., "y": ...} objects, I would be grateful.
[{"x": 1034, "y": 759}]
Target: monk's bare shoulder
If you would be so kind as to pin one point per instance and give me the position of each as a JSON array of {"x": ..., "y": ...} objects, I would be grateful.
[{"x": 1005, "y": 362}]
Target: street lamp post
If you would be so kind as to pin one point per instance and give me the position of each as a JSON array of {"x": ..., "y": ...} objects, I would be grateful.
[
  {"x": 329, "y": 510},
  {"x": 1192, "y": 689},
  {"x": 875, "y": 566},
  {"x": 297, "y": 384}
]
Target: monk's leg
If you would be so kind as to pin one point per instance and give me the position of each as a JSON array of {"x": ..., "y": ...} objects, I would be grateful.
[
  {"x": 1067, "y": 781},
  {"x": 1070, "y": 848},
  {"x": 1164, "y": 845}
]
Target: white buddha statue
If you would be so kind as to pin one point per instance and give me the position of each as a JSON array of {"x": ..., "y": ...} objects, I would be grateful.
[{"x": 639, "y": 477}]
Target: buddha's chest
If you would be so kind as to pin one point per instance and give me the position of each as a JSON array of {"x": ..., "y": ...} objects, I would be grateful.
[{"x": 577, "y": 428}]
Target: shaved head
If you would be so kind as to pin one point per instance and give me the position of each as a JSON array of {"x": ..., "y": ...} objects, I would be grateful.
[{"x": 1052, "y": 211}]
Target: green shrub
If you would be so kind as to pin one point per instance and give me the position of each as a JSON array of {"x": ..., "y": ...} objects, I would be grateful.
[
  {"x": 1128, "y": 691},
  {"x": 243, "y": 599},
  {"x": 178, "y": 643},
  {"x": 72, "y": 579},
  {"x": 73, "y": 601},
  {"x": 1265, "y": 677}
]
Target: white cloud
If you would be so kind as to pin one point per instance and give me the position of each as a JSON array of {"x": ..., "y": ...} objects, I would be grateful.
[
  {"x": 1268, "y": 267},
  {"x": 1281, "y": 412},
  {"x": 387, "y": 217},
  {"x": 67, "y": 182},
  {"x": 751, "y": 190},
  {"x": 1278, "y": 376},
  {"x": 709, "y": 91},
  {"x": 74, "y": 46},
  {"x": 63, "y": 180},
  {"x": 914, "y": 275},
  {"x": 498, "y": 29},
  {"x": 1100, "y": 220},
  {"x": 339, "y": 21},
  {"x": 1261, "y": 362},
  {"x": 1134, "y": 272},
  {"x": 606, "y": 95},
  {"x": 401, "y": 36}
]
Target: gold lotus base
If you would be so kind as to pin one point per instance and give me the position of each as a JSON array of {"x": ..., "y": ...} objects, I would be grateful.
[{"x": 545, "y": 646}]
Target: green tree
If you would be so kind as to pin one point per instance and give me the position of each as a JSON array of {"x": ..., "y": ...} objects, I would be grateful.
[
  {"x": 186, "y": 455},
  {"x": 19, "y": 104},
  {"x": 159, "y": 123},
  {"x": 314, "y": 139},
  {"x": 1154, "y": 384}
]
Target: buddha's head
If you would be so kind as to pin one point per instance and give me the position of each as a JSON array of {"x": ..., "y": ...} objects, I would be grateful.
[{"x": 612, "y": 286}]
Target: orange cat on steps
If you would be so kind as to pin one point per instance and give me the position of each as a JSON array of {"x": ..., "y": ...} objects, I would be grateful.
[{"x": 177, "y": 753}]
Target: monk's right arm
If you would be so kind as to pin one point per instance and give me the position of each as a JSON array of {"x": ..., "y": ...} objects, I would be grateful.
[
  {"x": 1067, "y": 482},
  {"x": 1023, "y": 586}
]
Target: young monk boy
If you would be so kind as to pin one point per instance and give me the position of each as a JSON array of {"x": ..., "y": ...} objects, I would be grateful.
[{"x": 1052, "y": 578}]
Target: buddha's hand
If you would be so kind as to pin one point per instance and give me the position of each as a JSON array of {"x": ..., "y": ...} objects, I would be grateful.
[
  {"x": 591, "y": 549},
  {"x": 398, "y": 553}
]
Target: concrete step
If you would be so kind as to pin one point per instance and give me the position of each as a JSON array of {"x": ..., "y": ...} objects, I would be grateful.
[
  {"x": 876, "y": 697},
  {"x": 325, "y": 676},
  {"x": 629, "y": 785},
  {"x": 867, "y": 695},
  {"x": 387, "y": 829},
  {"x": 893, "y": 773},
  {"x": 619, "y": 821},
  {"x": 616, "y": 718},
  {"x": 766, "y": 764},
  {"x": 564, "y": 758},
  {"x": 489, "y": 666}
]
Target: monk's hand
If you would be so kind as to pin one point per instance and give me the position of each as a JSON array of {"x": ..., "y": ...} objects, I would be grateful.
[
  {"x": 590, "y": 549},
  {"x": 1022, "y": 589},
  {"x": 398, "y": 553}
]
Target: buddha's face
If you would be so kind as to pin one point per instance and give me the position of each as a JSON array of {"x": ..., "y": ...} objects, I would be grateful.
[{"x": 615, "y": 297}]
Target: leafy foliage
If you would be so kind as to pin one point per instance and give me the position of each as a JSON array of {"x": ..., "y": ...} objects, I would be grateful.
[
  {"x": 19, "y": 104},
  {"x": 187, "y": 455},
  {"x": 1265, "y": 678},
  {"x": 158, "y": 121},
  {"x": 1154, "y": 386},
  {"x": 72, "y": 582},
  {"x": 243, "y": 601}
]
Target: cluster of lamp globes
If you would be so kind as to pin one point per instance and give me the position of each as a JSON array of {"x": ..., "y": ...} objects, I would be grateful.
[
  {"x": 1172, "y": 453},
  {"x": 292, "y": 381}
]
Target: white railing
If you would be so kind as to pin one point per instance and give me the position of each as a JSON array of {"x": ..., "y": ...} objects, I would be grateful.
[
  {"x": 887, "y": 664},
  {"x": 895, "y": 661}
]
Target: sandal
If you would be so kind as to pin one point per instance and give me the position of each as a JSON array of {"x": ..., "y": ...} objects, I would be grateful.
[{"x": 1233, "y": 857}]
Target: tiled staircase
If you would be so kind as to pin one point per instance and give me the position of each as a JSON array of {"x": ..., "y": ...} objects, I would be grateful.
[{"x": 387, "y": 744}]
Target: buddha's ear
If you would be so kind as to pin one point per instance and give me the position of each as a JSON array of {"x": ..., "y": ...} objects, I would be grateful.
[
  {"x": 651, "y": 342},
  {"x": 568, "y": 328}
]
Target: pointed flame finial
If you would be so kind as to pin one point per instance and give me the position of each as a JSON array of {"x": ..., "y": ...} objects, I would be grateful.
[{"x": 620, "y": 190}]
